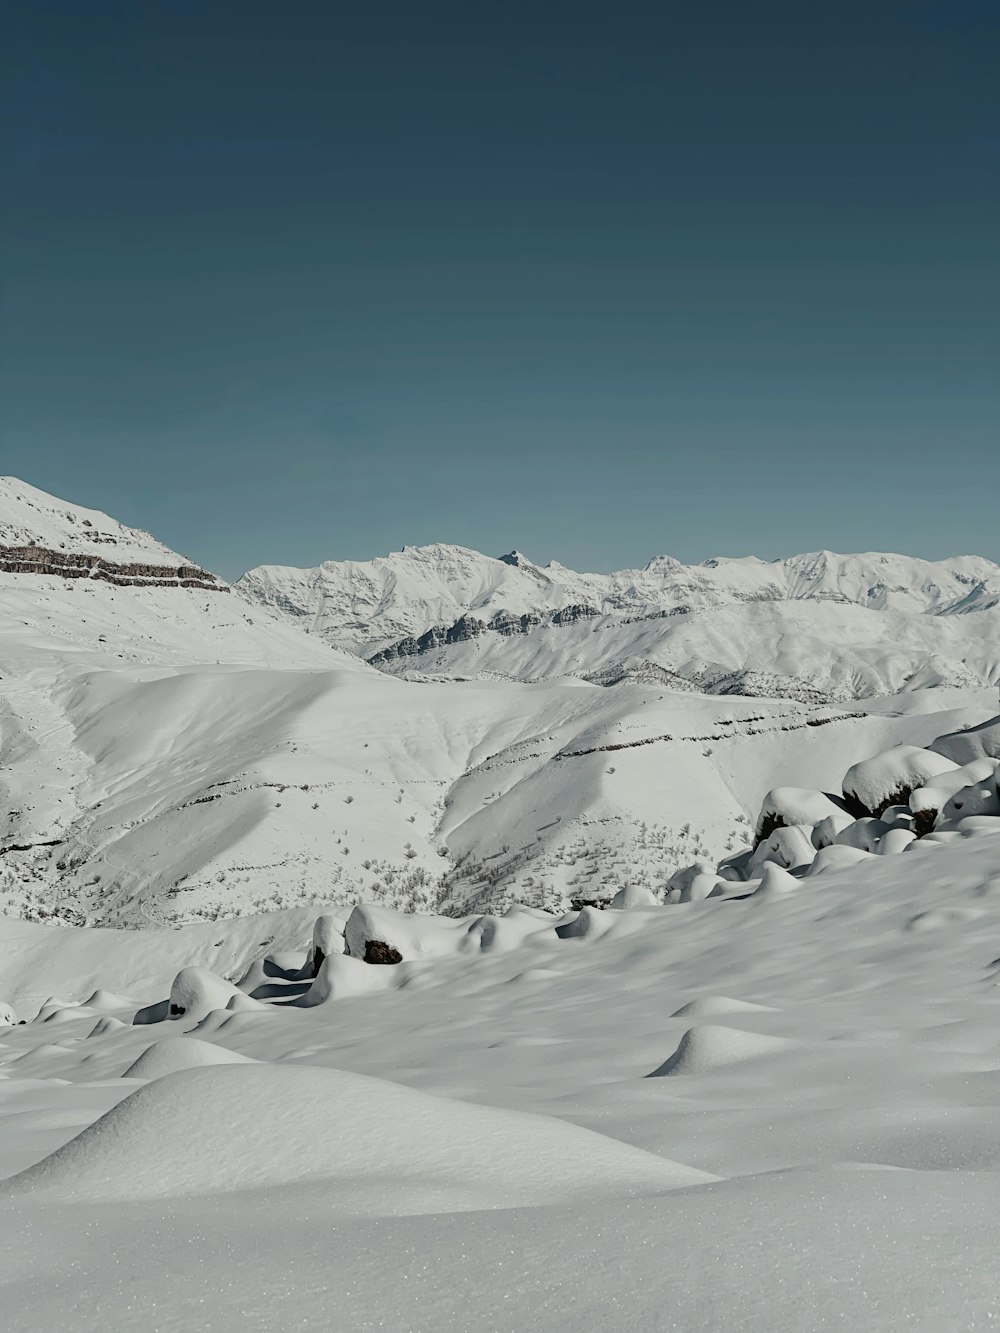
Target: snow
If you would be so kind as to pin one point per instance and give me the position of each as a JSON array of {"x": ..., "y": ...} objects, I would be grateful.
[
  {"x": 889, "y": 777},
  {"x": 173, "y": 1054},
  {"x": 491, "y": 1127},
  {"x": 622, "y": 1070},
  {"x": 814, "y": 626},
  {"x": 703, "y": 1050},
  {"x": 388, "y": 1149},
  {"x": 171, "y": 756},
  {"x": 30, "y": 517}
]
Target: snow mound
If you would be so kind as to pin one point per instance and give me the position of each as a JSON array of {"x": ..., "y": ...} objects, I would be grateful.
[
  {"x": 787, "y": 846},
  {"x": 196, "y": 992},
  {"x": 775, "y": 882},
  {"x": 589, "y": 923},
  {"x": 106, "y": 1002},
  {"x": 634, "y": 895},
  {"x": 933, "y": 794},
  {"x": 107, "y": 1024},
  {"x": 173, "y": 1054},
  {"x": 327, "y": 939},
  {"x": 978, "y": 799},
  {"x": 838, "y": 857},
  {"x": 7, "y": 1015},
  {"x": 785, "y": 806},
  {"x": 390, "y": 1150},
  {"x": 340, "y": 976},
  {"x": 713, "y": 1006},
  {"x": 708, "y": 1048},
  {"x": 379, "y": 935},
  {"x": 889, "y": 778}
]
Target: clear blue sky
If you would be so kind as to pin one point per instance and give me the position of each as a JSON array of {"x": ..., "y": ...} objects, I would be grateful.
[{"x": 303, "y": 279}]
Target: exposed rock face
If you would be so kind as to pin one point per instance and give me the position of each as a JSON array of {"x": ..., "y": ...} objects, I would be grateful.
[
  {"x": 75, "y": 565},
  {"x": 504, "y": 623}
]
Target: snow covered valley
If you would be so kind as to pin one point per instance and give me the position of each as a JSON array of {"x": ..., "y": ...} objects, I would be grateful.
[{"x": 695, "y": 1026}]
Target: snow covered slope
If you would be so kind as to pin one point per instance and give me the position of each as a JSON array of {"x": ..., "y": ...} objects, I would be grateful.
[
  {"x": 42, "y": 535},
  {"x": 812, "y": 626},
  {"x": 169, "y": 754},
  {"x": 543, "y": 1127}
]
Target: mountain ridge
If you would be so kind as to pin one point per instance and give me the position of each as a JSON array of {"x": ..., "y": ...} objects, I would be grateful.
[{"x": 444, "y": 610}]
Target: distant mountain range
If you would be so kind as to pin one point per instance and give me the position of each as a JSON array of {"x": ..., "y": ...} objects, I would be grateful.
[{"x": 815, "y": 626}]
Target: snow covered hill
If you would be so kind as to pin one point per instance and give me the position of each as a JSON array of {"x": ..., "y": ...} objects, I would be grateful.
[
  {"x": 817, "y": 626},
  {"x": 42, "y": 535},
  {"x": 172, "y": 753}
]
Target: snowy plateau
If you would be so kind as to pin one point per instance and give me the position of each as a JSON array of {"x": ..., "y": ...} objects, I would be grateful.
[{"x": 446, "y": 942}]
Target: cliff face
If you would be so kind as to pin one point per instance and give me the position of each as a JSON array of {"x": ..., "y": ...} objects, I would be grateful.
[{"x": 77, "y": 565}]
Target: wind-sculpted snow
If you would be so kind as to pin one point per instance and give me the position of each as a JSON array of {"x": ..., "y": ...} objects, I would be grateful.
[
  {"x": 388, "y": 1149},
  {"x": 822, "y": 1102}
]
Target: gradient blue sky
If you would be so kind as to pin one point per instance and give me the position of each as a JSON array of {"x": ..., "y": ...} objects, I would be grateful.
[{"x": 306, "y": 280}]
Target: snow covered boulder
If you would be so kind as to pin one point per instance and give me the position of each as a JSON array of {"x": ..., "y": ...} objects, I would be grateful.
[
  {"x": 327, "y": 939},
  {"x": 895, "y": 841},
  {"x": 681, "y": 879},
  {"x": 865, "y": 833},
  {"x": 783, "y": 807},
  {"x": 633, "y": 895},
  {"x": 979, "y": 799},
  {"x": 787, "y": 847},
  {"x": 340, "y": 976},
  {"x": 837, "y": 858},
  {"x": 7, "y": 1015},
  {"x": 196, "y": 991},
  {"x": 378, "y": 935},
  {"x": 889, "y": 778},
  {"x": 700, "y": 887},
  {"x": 826, "y": 832},
  {"x": 927, "y": 802}
]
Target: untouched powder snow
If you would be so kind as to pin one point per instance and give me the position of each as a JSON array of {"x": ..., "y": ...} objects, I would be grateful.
[
  {"x": 173, "y": 1054},
  {"x": 388, "y": 1149}
]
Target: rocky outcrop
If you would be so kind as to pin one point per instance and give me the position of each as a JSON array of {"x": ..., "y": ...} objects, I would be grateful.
[
  {"x": 74, "y": 565},
  {"x": 504, "y": 623}
]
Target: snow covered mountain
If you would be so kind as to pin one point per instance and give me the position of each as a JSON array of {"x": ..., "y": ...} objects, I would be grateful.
[
  {"x": 170, "y": 752},
  {"x": 42, "y": 535},
  {"x": 817, "y": 626}
]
